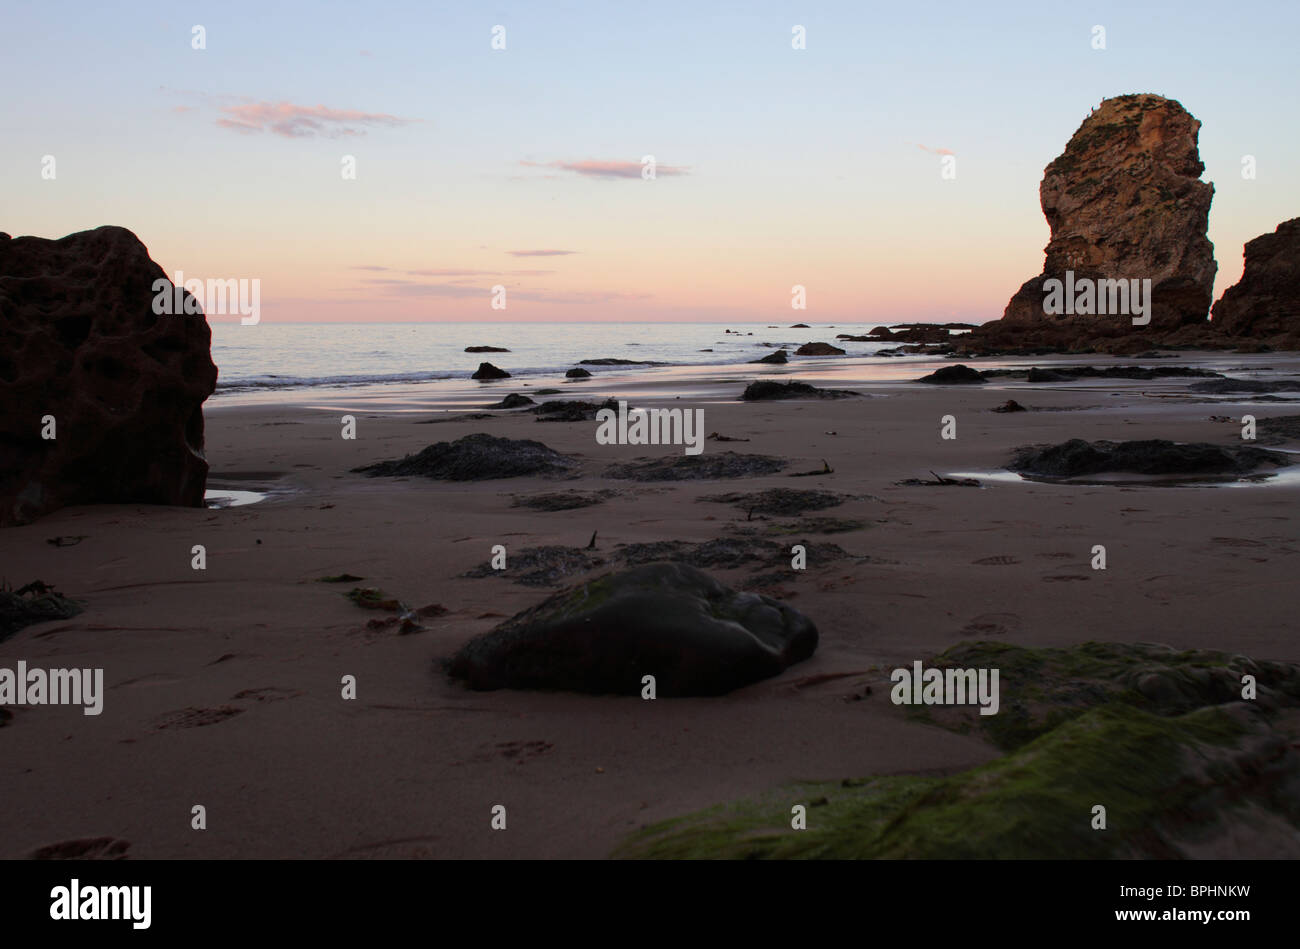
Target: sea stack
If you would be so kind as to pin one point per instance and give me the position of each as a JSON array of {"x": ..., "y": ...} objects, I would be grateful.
[
  {"x": 1124, "y": 202},
  {"x": 101, "y": 398},
  {"x": 1265, "y": 304}
]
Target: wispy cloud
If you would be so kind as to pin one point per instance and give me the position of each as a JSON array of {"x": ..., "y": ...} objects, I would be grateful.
[
  {"x": 449, "y": 272},
  {"x": 303, "y": 121},
  {"x": 458, "y": 290},
  {"x": 540, "y": 253},
  {"x": 592, "y": 168},
  {"x": 935, "y": 151}
]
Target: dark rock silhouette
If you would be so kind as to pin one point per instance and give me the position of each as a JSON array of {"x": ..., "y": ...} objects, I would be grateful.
[
  {"x": 1265, "y": 303},
  {"x": 818, "y": 349},
  {"x": 80, "y": 341},
  {"x": 513, "y": 401},
  {"x": 766, "y": 390},
  {"x": 954, "y": 375},
  {"x": 488, "y": 371}
]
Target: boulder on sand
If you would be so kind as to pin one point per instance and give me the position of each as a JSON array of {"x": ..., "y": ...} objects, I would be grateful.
[
  {"x": 80, "y": 343},
  {"x": 671, "y": 621},
  {"x": 578, "y": 374},
  {"x": 513, "y": 401},
  {"x": 477, "y": 457},
  {"x": 766, "y": 390},
  {"x": 1151, "y": 456},
  {"x": 779, "y": 358},
  {"x": 953, "y": 376}
]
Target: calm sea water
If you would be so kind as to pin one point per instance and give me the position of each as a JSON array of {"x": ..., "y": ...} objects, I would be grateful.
[{"x": 344, "y": 355}]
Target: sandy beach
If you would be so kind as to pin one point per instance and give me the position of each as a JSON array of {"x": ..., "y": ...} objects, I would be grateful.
[{"x": 223, "y": 685}]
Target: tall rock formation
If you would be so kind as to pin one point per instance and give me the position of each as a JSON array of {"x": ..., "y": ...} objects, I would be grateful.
[
  {"x": 84, "y": 357},
  {"x": 1265, "y": 304},
  {"x": 1124, "y": 201}
]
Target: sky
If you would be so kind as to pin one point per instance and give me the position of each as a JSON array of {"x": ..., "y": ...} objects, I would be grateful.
[{"x": 521, "y": 167}]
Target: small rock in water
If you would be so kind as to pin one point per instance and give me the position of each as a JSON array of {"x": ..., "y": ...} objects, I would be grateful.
[
  {"x": 488, "y": 371},
  {"x": 818, "y": 349}
]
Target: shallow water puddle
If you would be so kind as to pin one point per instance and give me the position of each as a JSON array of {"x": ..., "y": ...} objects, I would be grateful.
[
  {"x": 1290, "y": 476},
  {"x": 223, "y": 499},
  {"x": 237, "y": 489}
]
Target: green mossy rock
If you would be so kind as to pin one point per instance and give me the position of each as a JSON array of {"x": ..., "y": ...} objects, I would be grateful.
[{"x": 669, "y": 620}]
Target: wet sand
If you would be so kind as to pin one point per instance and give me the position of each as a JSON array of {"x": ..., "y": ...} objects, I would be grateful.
[{"x": 223, "y": 686}]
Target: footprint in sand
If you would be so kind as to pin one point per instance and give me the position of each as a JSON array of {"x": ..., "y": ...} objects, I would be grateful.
[
  {"x": 83, "y": 848},
  {"x": 1235, "y": 542},
  {"x": 1002, "y": 560},
  {"x": 523, "y": 749},
  {"x": 1067, "y": 576},
  {"x": 992, "y": 624},
  {"x": 400, "y": 848},
  {"x": 268, "y": 694},
  {"x": 195, "y": 717},
  {"x": 519, "y": 751},
  {"x": 153, "y": 678},
  {"x": 1058, "y": 555}
]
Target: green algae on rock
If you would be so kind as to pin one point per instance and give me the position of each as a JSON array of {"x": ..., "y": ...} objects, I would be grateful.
[{"x": 1160, "y": 737}]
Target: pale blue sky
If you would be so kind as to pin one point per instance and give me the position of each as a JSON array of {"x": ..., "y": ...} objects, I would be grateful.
[{"x": 801, "y": 166}]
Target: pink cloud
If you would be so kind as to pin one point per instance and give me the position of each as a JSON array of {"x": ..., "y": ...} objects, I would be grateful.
[
  {"x": 936, "y": 151},
  {"x": 591, "y": 168},
  {"x": 303, "y": 121}
]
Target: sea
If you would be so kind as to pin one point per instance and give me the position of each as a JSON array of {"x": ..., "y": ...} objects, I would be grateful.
[{"x": 270, "y": 357}]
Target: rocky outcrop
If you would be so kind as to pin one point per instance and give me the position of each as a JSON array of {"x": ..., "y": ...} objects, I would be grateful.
[
  {"x": 1265, "y": 304},
  {"x": 1124, "y": 202},
  {"x": 80, "y": 345},
  {"x": 667, "y": 620}
]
